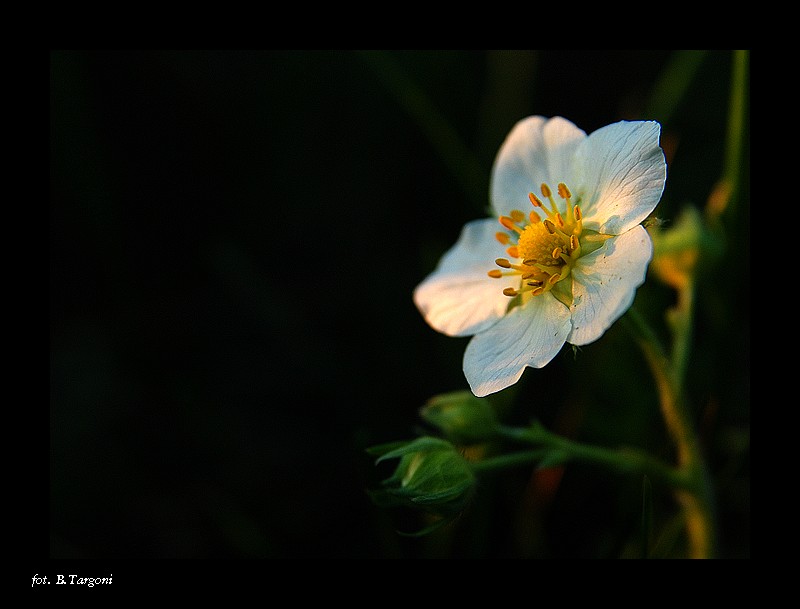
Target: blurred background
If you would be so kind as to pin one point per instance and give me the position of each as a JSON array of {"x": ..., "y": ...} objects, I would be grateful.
[{"x": 234, "y": 240}]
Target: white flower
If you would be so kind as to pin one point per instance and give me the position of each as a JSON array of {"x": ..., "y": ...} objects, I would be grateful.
[{"x": 569, "y": 268}]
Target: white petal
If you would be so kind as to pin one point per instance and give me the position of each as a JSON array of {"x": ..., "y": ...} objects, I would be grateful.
[
  {"x": 536, "y": 150},
  {"x": 604, "y": 283},
  {"x": 459, "y": 298},
  {"x": 531, "y": 335},
  {"x": 624, "y": 172}
]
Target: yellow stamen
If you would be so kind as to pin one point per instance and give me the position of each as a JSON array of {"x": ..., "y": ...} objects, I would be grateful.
[
  {"x": 547, "y": 246},
  {"x": 573, "y": 243},
  {"x": 509, "y": 224},
  {"x": 548, "y": 194}
]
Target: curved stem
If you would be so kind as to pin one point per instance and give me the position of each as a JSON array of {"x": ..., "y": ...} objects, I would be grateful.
[{"x": 697, "y": 497}]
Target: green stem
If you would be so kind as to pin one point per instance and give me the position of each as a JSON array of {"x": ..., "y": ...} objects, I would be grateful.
[
  {"x": 697, "y": 496},
  {"x": 626, "y": 460},
  {"x": 501, "y": 462},
  {"x": 736, "y": 121},
  {"x": 726, "y": 192},
  {"x": 681, "y": 321}
]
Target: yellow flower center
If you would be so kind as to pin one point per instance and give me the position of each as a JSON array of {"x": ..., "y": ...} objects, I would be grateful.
[
  {"x": 545, "y": 250},
  {"x": 536, "y": 245}
]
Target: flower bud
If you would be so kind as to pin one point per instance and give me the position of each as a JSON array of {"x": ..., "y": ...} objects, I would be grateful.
[
  {"x": 431, "y": 475},
  {"x": 461, "y": 417},
  {"x": 679, "y": 249}
]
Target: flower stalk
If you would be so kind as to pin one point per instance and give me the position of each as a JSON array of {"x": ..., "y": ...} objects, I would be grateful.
[
  {"x": 508, "y": 460},
  {"x": 553, "y": 450},
  {"x": 696, "y": 495}
]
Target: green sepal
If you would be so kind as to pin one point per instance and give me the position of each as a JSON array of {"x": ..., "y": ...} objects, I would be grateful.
[
  {"x": 385, "y": 499},
  {"x": 382, "y": 449},
  {"x": 562, "y": 290},
  {"x": 425, "y": 443}
]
